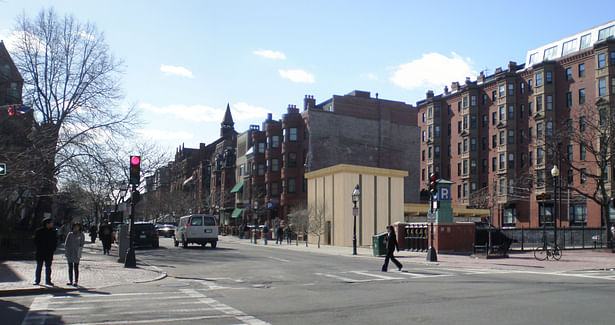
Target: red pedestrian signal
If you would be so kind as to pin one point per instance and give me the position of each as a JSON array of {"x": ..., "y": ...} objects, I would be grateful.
[{"x": 135, "y": 170}]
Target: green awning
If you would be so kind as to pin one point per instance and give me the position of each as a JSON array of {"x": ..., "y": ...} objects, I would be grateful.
[
  {"x": 237, "y": 188},
  {"x": 236, "y": 213}
]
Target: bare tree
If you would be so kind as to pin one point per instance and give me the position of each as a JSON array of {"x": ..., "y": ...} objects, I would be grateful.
[
  {"x": 316, "y": 222},
  {"x": 592, "y": 133},
  {"x": 300, "y": 221},
  {"x": 72, "y": 82}
]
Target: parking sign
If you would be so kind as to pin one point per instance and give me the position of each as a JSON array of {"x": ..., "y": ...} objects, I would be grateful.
[{"x": 444, "y": 193}]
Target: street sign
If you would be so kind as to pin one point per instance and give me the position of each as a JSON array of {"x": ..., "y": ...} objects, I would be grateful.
[
  {"x": 269, "y": 205},
  {"x": 445, "y": 193},
  {"x": 2, "y": 169},
  {"x": 431, "y": 217}
]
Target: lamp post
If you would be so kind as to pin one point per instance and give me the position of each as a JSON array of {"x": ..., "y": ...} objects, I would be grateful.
[
  {"x": 356, "y": 194},
  {"x": 555, "y": 175}
]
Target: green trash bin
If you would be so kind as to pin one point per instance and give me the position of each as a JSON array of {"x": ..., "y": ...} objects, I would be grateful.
[{"x": 379, "y": 244}]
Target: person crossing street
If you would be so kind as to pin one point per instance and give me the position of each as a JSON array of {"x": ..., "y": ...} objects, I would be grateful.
[{"x": 391, "y": 245}]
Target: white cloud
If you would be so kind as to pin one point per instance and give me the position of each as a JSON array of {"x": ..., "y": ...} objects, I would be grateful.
[
  {"x": 297, "y": 75},
  {"x": 433, "y": 70},
  {"x": 202, "y": 113},
  {"x": 164, "y": 135},
  {"x": 269, "y": 54},
  {"x": 172, "y": 70},
  {"x": 86, "y": 35},
  {"x": 10, "y": 39},
  {"x": 369, "y": 76}
]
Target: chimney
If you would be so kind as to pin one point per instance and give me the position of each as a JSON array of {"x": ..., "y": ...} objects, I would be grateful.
[
  {"x": 269, "y": 116},
  {"x": 446, "y": 90},
  {"x": 430, "y": 94},
  {"x": 308, "y": 102},
  {"x": 292, "y": 109},
  {"x": 455, "y": 86},
  {"x": 481, "y": 77},
  {"x": 498, "y": 70},
  {"x": 468, "y": 82},
  {"x": 512, "y": 66}
]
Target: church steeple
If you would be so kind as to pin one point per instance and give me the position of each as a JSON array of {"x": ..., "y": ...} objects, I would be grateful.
[{"x": 227, "y": 125}]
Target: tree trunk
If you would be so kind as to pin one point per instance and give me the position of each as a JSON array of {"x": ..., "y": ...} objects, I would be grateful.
[
  {"x": 607, "y": 222},
  {"x": 318, "y": 241}
]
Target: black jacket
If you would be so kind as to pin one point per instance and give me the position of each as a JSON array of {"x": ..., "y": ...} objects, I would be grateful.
[
  {"x": 391, "y": 242},
  {"x": 45, "y": 240}
]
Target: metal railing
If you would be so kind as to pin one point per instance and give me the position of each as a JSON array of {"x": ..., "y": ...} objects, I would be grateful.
[{"x": 526, "y": 239}]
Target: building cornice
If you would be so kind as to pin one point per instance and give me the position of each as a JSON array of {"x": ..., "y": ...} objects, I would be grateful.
[{"x": 356, "y": 169}]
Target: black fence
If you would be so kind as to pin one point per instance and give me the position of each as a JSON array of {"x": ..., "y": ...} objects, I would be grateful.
[{"x": 567, "y": 238}]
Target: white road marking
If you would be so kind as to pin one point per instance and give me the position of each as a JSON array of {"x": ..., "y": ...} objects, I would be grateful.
[
  {"x": 38, "y": 311},
  {"x": 423, "y": 275},
  {"x": 228, "y": 310},
  {"x": 377, "y": 276},
  {"x": 279, "y": 259},
  {"x": 338, "y": 277},
  {"x": 158, "y": 320}
]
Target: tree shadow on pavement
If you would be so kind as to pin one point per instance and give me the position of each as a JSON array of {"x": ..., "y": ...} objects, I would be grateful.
[
  {"x": 7, "y": 274},
  {"x": 14, "y": 313}
]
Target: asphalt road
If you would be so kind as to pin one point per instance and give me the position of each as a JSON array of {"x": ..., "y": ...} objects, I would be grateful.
[{"x": 241, "y": 283}]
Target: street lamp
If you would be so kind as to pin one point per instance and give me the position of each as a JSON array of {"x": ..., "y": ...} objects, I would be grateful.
[
  {"x": 356, "y": 195},
  {"x": 555, "y": 174}
]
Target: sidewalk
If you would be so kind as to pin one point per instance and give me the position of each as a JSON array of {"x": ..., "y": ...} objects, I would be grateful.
[
  {"x": 572, "y": 260},
  {"x": 95, "y": 271}
]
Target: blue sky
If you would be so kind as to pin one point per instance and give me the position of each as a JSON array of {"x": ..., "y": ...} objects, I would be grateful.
[{"x": 184, "y": 60}]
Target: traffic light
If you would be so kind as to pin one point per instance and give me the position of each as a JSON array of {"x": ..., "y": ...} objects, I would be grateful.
[
  {"x": 433, "y": 181},
  {"x": 135, "y": 170}
]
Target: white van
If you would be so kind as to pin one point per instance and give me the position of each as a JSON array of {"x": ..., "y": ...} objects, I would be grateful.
[{"x": 197, "y": 229}]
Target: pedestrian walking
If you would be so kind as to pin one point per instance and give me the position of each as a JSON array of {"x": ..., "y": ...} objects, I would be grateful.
[
  {"x": 279, "y": 235},
  {"x": 288, "y": 232},
  {"x": 265, "y": 233},
  {"x": 105, "y": 232},
  {"x": 391, "y": 240},
  {"x": 72, "y": 250},
  {"x": 45, "y": 241},
  {"x": 93, "y": 231}
]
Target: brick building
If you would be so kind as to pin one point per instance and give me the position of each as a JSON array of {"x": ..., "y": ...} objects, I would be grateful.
[{"x": 492, "y": 137}]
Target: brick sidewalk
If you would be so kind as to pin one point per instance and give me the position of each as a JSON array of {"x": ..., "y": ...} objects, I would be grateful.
[
  {"x": 95, "y": 271},
  {"x": 572, "y": 260}
]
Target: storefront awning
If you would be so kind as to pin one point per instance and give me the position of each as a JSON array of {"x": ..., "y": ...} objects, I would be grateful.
[
  {"x": 237, "y": 187},
  {"x": 236, "y": 213}
]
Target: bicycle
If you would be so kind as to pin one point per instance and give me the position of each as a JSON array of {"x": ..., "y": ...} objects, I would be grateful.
[{"x": 544, "y": 253}]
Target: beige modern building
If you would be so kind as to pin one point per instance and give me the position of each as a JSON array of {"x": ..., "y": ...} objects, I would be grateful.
[{"x": 381, "y": 202}]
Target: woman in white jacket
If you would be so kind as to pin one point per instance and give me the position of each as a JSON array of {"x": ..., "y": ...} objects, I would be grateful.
[{"x": 72, "y": 249}]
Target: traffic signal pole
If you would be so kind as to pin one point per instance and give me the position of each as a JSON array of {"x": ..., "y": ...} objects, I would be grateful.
[
  {"x": 432, "y": 255},
  {"x": 131, "y": 260}
]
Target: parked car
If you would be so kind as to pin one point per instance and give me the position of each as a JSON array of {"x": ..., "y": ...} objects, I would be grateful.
[
  {"x": 498, "y": 238},
  {"x": 198, "y": 229},
  {"x": 166, "y": 230},
  {"x": 146, "y": 235}
]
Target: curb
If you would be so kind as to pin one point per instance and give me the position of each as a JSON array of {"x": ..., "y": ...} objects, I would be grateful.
[{"x": 34, "y": 291}]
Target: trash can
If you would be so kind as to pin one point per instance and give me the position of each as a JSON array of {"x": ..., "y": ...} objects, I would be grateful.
[{"x": 379, "y": 245}]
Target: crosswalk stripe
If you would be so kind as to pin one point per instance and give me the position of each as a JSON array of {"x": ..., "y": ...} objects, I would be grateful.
[
  {"x": 157, "y": 320},
  {"x": 38, "y": 311},
  {"x": 377, "y": 276},
  {"x": 338, "y": 277},
  {"x": 228, "y": 310}
]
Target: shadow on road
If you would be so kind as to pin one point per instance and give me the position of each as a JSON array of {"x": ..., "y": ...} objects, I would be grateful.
[{"x": 14, "y": 313}]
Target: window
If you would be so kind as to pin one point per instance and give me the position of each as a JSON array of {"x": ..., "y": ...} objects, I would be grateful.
[
  {"x": 612, "y": 58},
  {"x": 436, "y": 152},
  {"x": 521, "y": 136},
  {"x": 538, "y": 79},
  {"x": 473, "y": 100},
  {"x": 582, "y": 96},
  {"x": 494, "y": 95},
  {"x": 473, "y": 121},
  {"x": 494, "y": 118},
  {"x": 582, "y": 123},
  {"x": 550, "y": 54},
  {"x": 533, "y": 59},
  {"x": 502, "y": 137},
  {"x": 494, "y": 164},
  {"x": 569, "y": 47},
  {"x": 465, "y": 190},
  {"x": 473, "y": 144},
  {"x": 465, "y": 166},
  {"x": 569, "y": 125},
  {"x": 530, "y": 133},
  {"x": 429, "y": 112},
  {"x": 549, "y": 77},
  {"x": 549, "y": 102},
  {"x": 458, "y": 106},
  {"x": 545, "y": 214},
  {"x": 436, "y": 110},
  {"x": 261, "y": 147},
  {"x": 511, "y": 136},
  {"x": 521, "y": 111},
  {"x": 511, "y": 160},
  {"x": 583, "y": 176},
  {"x": 437, "y": 131},
  {"x": 502, "y": 113},
  {"x": 511, "y": 112},
  {"x": 423, "y": 116},
  {"x": 582, "y": 152},
  {"x": 521, "y": 87},
  {"x": 582, "y": 70},
  {"x": 465, "y": 122},
  {"x": 448, "y": 129},
  {"x": 502, "y": 90},
  {"x": 293, "y": 134},
  {"x": 569, "y": 99},
  {"x": 458, "y": 191},
  {"x": 465, "y": 145},
  {"x": 502, "y": 161},
  {"x": 458, "y": 126},
  {"x": 430, "y": 132},
  {"x": 570, "y": 177},
  {"x": 458, "y": 169},
  {"x": 531, "y": 158},
  {"x": 511, "y": 89},
  {"x": 522, "y": 160},
  {"x": 450, "y": 111},
  {"x": 261, "y": 170},
  {"x": 292, "y": 160},
  {"x": 602, "y": 87},
  {"x": 292, "y": 185},
  {"x": 578, "y": 214},
  {"x": 485, "y": 120},
  {"x": 494, "y": 141},
  {"x": 586, "y": 41},
  {"x": 539, "y": 103},
  {"x": 459, "y": 148},
  {"x": 484, "y": 98},
  {"x": 568, "y": 74},
  {"x": 423, "y": 135},
  {"x": 539, "y": 130},
  {"x": 530, "y": 107},
  {"x": 601, "y": 60},
  {"x": 485, "y": 166},
  {"x": 275, "y": 165},
  {"x": 275, "y": 141},
  {"x": 473, "y": 166},
  {"x": 613, "y": 85},
  {"x": 509, "y": 216},
  {"x": 540, "y": 154},
  {"x": 465, "y": 101},
  {"x": 429, "y": 153},
  {"x": 570, "y": 153},
  {"x": 529, "y": 85},
  {"x": 485, "y": 143},
  {"x": 275, "y": 190},
  {"x": 423, "y": 174},
  {"x": 549, "y": 130},
  {"x": 423, "y": 155}
]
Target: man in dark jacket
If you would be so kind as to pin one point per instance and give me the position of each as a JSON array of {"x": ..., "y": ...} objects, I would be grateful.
[
  {"x": 46, "y": 241},
  {"x": 105, "y": 232},
  {"x": 391, "y": 240}
]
